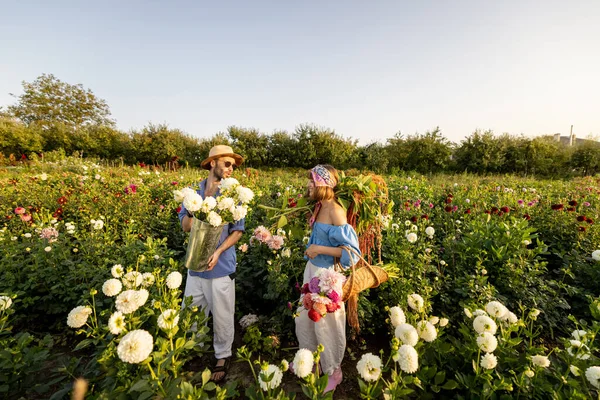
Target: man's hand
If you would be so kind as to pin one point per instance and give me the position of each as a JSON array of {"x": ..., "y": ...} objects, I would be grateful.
[
  {"x": 312, "y": 251},
  {"x": 212, "y": 261}
]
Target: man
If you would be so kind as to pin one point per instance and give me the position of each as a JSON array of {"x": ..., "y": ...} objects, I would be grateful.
[{"x": 214, "y": 289}]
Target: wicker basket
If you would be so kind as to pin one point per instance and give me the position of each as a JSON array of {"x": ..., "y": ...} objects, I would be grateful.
[{"x": 362, "y": 278}]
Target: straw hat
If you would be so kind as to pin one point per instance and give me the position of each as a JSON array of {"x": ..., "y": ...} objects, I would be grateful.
[{"x": 221, "y": 151}]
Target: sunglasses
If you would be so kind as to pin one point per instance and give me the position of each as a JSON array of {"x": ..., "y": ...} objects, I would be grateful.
[{"x": 228, "y": 164}]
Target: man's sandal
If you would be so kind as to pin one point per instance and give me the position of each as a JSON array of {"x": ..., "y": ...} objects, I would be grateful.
[{"x": 221, "y": 368}]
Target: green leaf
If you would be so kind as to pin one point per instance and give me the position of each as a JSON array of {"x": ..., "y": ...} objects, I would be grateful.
[
  {"x": 430, "y": 372},
  {"x": 440, "y": 377},
  {"x": 145, "y": 395},
  {"x": 450, "y": 385},
  {"x": 83, "y": 344},
  {"x": 209, "y": 386},
  {"x": 301, "y": 202},
  {"x": 362, "y": 385},
  {"x": 205, "y": 376},
  {"x": 282, "y": 222},
  {"x": 139, "y": 386}
]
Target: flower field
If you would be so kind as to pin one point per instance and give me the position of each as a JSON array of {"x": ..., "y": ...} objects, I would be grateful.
[{"x": 493, "y": 291}]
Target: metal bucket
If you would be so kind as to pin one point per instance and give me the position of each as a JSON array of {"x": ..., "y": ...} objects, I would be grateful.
[{"x": 203, "y": 241}]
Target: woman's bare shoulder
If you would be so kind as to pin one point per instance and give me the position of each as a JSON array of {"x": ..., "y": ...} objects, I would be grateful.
[{"x": 338, "y": 215}]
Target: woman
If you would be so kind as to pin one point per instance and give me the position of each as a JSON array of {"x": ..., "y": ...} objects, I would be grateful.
[{"x": 330, "y": 230}]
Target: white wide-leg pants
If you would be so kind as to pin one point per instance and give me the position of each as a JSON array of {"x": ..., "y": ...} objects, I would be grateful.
[
  {"x": 216, "y": 297},
  {"x": 330, "y": 331}
]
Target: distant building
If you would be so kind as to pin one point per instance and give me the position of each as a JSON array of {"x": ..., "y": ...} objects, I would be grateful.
[{"x": 571, "y": 140}]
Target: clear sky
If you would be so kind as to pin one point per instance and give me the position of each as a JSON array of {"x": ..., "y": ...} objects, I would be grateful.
[{"x": 367, "y": 69}]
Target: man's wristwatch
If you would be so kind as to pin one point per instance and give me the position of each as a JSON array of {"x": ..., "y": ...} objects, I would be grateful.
[{"x": 189, "y": 214}]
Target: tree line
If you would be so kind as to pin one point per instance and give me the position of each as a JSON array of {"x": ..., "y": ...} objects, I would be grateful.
[{"x": 54, "y": 116}]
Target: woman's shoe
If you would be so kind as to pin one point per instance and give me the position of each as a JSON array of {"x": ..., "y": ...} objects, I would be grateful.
[{"x": 334, "y": 380}]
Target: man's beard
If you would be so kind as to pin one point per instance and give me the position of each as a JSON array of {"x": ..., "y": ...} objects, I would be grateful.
[{"x": 218, "y": 173}]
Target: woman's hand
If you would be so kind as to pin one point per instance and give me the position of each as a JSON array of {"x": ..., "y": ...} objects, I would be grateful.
[{"x": 312, "y": 251}]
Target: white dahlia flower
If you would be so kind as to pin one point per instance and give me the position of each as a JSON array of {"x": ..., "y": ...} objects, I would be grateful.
[
  {"x": 426, "y": 331},
  {"x": 496, "y": 309},
  {"x": 132, "y": 279},
  {"x": 178, "y": 196},
  {"x": 5, "y": 303},
  {"x": 135, "y": 346},
  {"x": 245, "y": 195},
  {"x": 116, "y": 323},
  {"x": 407, "y": 334},
  {"x": 369, "y": 367},
  {"x": 578, "y": 334},
  {"x": 303, "y": 363},
  {"x": 214, "y": 219},
  {"x": 489, "y": 361},
  {"x": 487, "y": 342},
  {"x": 117, "y": 270},
  {"x": 239, "y": 212},
  {"x": 512, "y": 318},
  {"x": 112, "y": 287},
  {"x": 479, "y": 312},
  {"x": 147, "y": 279},
  {"x": 78, "y": 316},
  {"x": 275, "y": 373},
  {"x": 141, "y": 296},
  {"x": 208, "y": 204},
  {"x": 541, "y": 361},
  {"x": 412, "y": 237},
  {"x": 174, "y": 280},
  {"x": 407, "y": 358},
  {"x": 397, "y": 316},
  {"x": 484, "y": 323},
  {"x": 228, "y": 184},
  {"x": 225, "y": 203},
  {"x": 415, "y": 302},
  {"x": 247, "y": 320},
  {"x": 593, "y": 376},
  {"x": 193, "y": 202},
  {"x": 168, "y": 319},
  {"x": 127, "y": 301}
]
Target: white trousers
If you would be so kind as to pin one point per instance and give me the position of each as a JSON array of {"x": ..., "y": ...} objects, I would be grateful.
[
  {"x": 216, "y": 297},
  {"x": 330, "y": 331}
]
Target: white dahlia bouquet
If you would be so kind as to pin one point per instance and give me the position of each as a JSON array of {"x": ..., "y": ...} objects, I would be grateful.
[{"x": 230, "y": 206}]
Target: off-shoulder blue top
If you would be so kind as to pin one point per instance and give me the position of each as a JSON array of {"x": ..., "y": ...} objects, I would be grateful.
[{"x": 334, "y": 236}]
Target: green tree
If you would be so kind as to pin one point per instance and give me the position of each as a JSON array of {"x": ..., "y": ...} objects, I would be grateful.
[
  {"x": 49, "y": 100},
  {"x": 281, "y": 149},
  {"x": 397, "y": 151},
  {"x": 546, "y": 157},
  {"x": 586, "y": 157},
  {"x": 18, "y": 139},
  {"x": 427, "y": 153},
  {"x": 480, "y": 153},
  {"x": 251, "y": 143},
  {"x": 315, "y": 145},
  {"x": 372, "y": 157},
  {"x": 158, "y": 144}
]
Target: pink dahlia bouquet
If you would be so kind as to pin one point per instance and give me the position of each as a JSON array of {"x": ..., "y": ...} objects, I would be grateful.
[{"x": 323, "y": 294}]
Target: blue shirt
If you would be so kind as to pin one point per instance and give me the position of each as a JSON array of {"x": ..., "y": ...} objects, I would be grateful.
[
  {"x": 334, "y": 236},
  {"x": 227, "y": 260}
]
